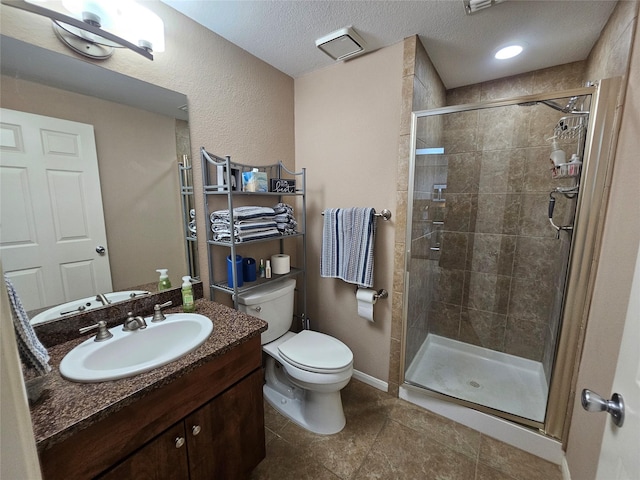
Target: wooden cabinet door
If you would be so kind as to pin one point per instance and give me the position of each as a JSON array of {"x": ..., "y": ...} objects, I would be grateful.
[
  {"x": 163, "y": 458},
  {"x": 230, "y": 439}
]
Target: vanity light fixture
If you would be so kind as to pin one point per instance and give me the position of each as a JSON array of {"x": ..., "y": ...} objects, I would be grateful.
[
  {"x": 509, "y": 51},
  {"x": 473, "y": 6},
  {"x": 93, "y": 28},
  {"x": 342, "y": 44}
]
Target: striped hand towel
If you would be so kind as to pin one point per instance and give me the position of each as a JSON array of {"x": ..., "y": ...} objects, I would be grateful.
[
  {"x": 347, "y": 245},
  {"x": 32, "y": 353}
]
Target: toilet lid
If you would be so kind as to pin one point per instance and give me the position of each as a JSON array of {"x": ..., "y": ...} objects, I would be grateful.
[{"x": 316, "y": 352}]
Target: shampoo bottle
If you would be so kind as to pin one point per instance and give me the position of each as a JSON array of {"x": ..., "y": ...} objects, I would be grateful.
[
  {"x": 188, "y": 303},
  {"x": 558, "y": 156},
  {"x": 163, "y": 283}
]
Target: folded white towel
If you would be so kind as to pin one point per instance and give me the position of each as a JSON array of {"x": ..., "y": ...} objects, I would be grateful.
[
  {"x": 243, "y": 226},
  {"x": 283, "y": 208},
  {"x": 244, "y": 213},
  {"x": 225, "y": 236},
  {"x": 32, "y": 352},
  {"x": 347, "y": 245}
]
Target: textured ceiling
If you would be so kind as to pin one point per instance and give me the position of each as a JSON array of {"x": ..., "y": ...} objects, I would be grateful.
[{"x": 283, "y": 33}]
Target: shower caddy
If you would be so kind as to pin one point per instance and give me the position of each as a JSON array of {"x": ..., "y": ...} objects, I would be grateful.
[
  {"x": 231, "y": 172},
  {"x": 570, "y": 127}
]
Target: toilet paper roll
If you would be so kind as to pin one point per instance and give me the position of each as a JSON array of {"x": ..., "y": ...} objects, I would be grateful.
[
  {"x": 366, "y": 298},
  {"x": 280, "y": 264}
]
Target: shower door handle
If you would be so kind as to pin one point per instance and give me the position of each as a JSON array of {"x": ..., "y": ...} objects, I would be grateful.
[{"x": 592, "y": 402}]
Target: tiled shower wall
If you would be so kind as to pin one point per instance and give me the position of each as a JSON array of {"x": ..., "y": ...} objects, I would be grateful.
[{"x": 421, "y": 89}]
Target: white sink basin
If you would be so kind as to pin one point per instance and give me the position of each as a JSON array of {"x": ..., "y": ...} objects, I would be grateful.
[
  {"x": 83, "y": 305},
  {"x": 130, "y": 353}
]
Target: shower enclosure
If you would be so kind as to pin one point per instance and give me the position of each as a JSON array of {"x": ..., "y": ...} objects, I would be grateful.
[{"x": 489, "y": 242}]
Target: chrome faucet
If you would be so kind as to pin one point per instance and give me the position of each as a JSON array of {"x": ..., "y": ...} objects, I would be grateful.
[
  {"x": 102, "y": 299},
  {"x": 134, "y": 323}
]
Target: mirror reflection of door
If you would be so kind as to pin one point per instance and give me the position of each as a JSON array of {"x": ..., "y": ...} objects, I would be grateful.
[{"x": 51, "y": 216}]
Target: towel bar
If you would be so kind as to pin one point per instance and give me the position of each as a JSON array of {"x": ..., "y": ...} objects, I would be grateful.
[{"x": 386, "y": 214}]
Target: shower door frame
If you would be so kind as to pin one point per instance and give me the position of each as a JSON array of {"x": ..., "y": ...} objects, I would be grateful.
[{"x": 600, "y": 143}]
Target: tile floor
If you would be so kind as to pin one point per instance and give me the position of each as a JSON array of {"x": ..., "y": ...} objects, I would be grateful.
[{"x": 388, "y": 438}]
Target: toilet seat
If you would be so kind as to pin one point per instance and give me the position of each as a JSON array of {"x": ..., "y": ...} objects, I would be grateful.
[{"x": 316, "y": 352}]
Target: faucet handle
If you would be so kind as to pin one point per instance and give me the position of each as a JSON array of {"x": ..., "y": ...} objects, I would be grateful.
[
  {"x": 103, "y": 333},
  {"x": 158, "y": 316}
]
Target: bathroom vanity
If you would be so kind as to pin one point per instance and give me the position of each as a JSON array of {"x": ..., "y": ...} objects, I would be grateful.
[{"x": 200, "y": 416}]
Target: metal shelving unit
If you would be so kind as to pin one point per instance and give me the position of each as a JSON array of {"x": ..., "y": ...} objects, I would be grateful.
[
  {"x": 218, "y": 173},
  {"x": 188, "y": 218}
]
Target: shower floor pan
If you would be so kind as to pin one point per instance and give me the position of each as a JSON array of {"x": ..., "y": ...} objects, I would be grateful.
[{"x": 493, "y": 379}]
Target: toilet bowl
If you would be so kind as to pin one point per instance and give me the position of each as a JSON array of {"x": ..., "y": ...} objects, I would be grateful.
[{"x": 304, "y": 372}]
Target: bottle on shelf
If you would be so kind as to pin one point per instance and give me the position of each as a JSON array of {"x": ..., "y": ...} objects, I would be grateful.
[
  {"x": 267, "y": 269},
  {"x": 262, "y": 272}
]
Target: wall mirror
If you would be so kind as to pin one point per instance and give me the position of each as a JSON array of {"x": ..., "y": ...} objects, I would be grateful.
[{"x": 141, "y": 136}]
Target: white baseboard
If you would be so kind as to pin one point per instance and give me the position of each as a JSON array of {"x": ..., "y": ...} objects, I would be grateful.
[{"x": 372, "y": 381}]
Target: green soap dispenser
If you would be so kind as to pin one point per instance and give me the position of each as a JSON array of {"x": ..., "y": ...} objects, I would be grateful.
[
  {"x": 188, "y": 303},
  {"x": 164, "y": 283}
]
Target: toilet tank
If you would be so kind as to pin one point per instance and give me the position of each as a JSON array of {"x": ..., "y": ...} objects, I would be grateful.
[{"x": 273, "y": 303}]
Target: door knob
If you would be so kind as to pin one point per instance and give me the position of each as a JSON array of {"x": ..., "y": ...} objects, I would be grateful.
[
  {"x": 101, "y": 250},
  {"x": 592, "y": 402}
]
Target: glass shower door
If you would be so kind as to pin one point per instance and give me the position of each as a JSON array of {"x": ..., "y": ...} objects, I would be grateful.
[{"x": 488, "y": 268}]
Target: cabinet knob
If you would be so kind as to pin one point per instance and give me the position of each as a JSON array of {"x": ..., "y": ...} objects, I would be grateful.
[
  {"x": 179, "y": 442},
  {"x": 195, "y": 430}
]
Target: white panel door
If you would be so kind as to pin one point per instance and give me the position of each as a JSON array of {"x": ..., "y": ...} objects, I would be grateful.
[
  {"x": 51, "y": 217},
  {"x": 620, "y": 453}
]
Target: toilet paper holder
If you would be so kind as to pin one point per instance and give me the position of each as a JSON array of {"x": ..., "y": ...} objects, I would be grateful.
[{"x": 382, "y": 293}]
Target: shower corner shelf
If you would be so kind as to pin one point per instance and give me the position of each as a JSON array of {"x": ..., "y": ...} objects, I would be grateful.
[{"x": 220, "y": 172}]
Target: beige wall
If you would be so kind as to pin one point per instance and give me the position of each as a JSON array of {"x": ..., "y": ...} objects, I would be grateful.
[
  {"x": 620, "y": 243},
  {"x": 138, "y": 175},
  {"x": 238, "y": 105},
  {"x": 347, "y": 125}
]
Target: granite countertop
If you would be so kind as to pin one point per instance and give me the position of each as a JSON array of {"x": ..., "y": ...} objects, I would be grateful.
[{"x": 66, "y": 407}]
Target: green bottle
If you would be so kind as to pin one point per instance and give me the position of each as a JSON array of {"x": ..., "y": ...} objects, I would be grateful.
[
  {"x": 164, "y": 283},
  {"x": 188, "y": 303}
]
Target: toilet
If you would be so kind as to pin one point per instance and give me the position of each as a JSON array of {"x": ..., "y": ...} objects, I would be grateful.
[{"x": 304, "y": 372}]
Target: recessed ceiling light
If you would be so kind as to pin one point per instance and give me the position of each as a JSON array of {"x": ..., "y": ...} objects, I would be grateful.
[{"x": 508, "y": 52}]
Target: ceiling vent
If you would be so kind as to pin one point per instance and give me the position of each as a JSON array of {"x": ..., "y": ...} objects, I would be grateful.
[{"x": 342, "y": 44}]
